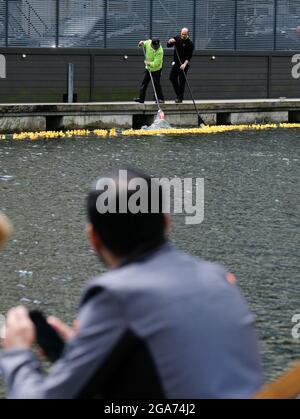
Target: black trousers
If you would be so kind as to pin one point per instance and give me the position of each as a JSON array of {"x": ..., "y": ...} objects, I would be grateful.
[
  {"x": 178, "y": 80},
  {"x": 156, "y": 78}
]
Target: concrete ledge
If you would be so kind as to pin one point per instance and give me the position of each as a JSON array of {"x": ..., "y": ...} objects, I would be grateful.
[
  {"x": 190, "y": 120},
  {"x": 119, "y": 108},
  {"x": 97, "y": 121},
  {"x": 26, "y": 123},
  {"x": 37, "y": 117},
  {"x": 258, "y": 117}
]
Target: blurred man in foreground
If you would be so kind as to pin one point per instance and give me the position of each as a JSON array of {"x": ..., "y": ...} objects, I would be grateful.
[{"x": 158, "y": 324}]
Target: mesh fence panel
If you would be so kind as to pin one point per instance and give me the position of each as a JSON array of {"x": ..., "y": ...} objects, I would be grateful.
[
  {"x": 169, "y": 16},
  {"x": 128, "y": 22},
  {"x": 2, "y": 22},
  {"x": 255, "y": 24},
  {"x": 81, "y": 23},
  {"x": 31, "y": 23},
  {"x": 214, "y": 24},
  {"x": 288, "y": 25}
]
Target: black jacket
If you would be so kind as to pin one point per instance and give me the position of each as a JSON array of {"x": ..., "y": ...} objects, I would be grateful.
[{"x": 184, "y": 47}]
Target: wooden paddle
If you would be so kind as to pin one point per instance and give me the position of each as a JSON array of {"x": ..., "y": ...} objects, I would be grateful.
[
  {"x": 5, "y": 229},
  {"x": 286, "y": 386}
]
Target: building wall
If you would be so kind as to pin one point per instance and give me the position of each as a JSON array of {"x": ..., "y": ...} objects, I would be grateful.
[{"x": 104, "y": 75}]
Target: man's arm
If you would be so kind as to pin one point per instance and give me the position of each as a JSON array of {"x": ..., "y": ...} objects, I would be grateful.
[
  {"x": 189, "y": 55},
  {"x": 171, "y": 42},
  {"x": 101, "y": 327}
]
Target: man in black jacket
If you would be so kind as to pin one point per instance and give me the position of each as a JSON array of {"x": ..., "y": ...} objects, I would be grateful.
[{"x": 183, "y": 52}]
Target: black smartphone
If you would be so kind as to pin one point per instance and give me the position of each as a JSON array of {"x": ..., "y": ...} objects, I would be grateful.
[{"x": 47, "y": 338}]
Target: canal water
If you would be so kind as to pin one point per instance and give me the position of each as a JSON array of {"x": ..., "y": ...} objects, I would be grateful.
[{"x": 251, "y": 222}]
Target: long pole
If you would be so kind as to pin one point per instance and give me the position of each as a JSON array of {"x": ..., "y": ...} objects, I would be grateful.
[
  {"x": 153, "y": 85},
  {"x": 200, "y": 120}
]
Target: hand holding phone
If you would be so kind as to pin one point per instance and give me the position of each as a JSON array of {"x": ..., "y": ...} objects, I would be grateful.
[{"x": 47, "y": 338}]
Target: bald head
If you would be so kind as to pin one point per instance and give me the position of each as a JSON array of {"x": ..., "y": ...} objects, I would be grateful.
[
  {"x": 5, "y": 229},
  {"x": 184, "y": 33}
]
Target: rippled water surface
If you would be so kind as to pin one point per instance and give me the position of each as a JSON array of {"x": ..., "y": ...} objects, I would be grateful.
[{"x": 251, "y": 221}]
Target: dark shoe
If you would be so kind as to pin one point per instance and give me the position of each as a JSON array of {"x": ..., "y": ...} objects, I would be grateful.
[
  {"x": 178, "y": 100},
  {"x": 138, "y": 100},
  {"x": 161, "y": 101}
]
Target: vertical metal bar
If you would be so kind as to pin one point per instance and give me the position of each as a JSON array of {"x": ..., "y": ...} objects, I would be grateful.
[
  {"x": 105, "y": 24},
  {"x": 151, "y": 20},
  {"x": 194, "y": 20},
  {"x": 70, "y": 82},
  {"x": 6, "y": 23},
  {"x": 235, "y": 23},
  {"x": 57, "y": 25},
  {"x": 275, "y": 24}
]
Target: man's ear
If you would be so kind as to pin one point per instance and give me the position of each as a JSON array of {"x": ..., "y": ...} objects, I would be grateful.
[{"x": 94, "y": 239}]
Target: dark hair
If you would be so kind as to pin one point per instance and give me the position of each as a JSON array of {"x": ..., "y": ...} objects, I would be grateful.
[{"x": 127, "y": 233}]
